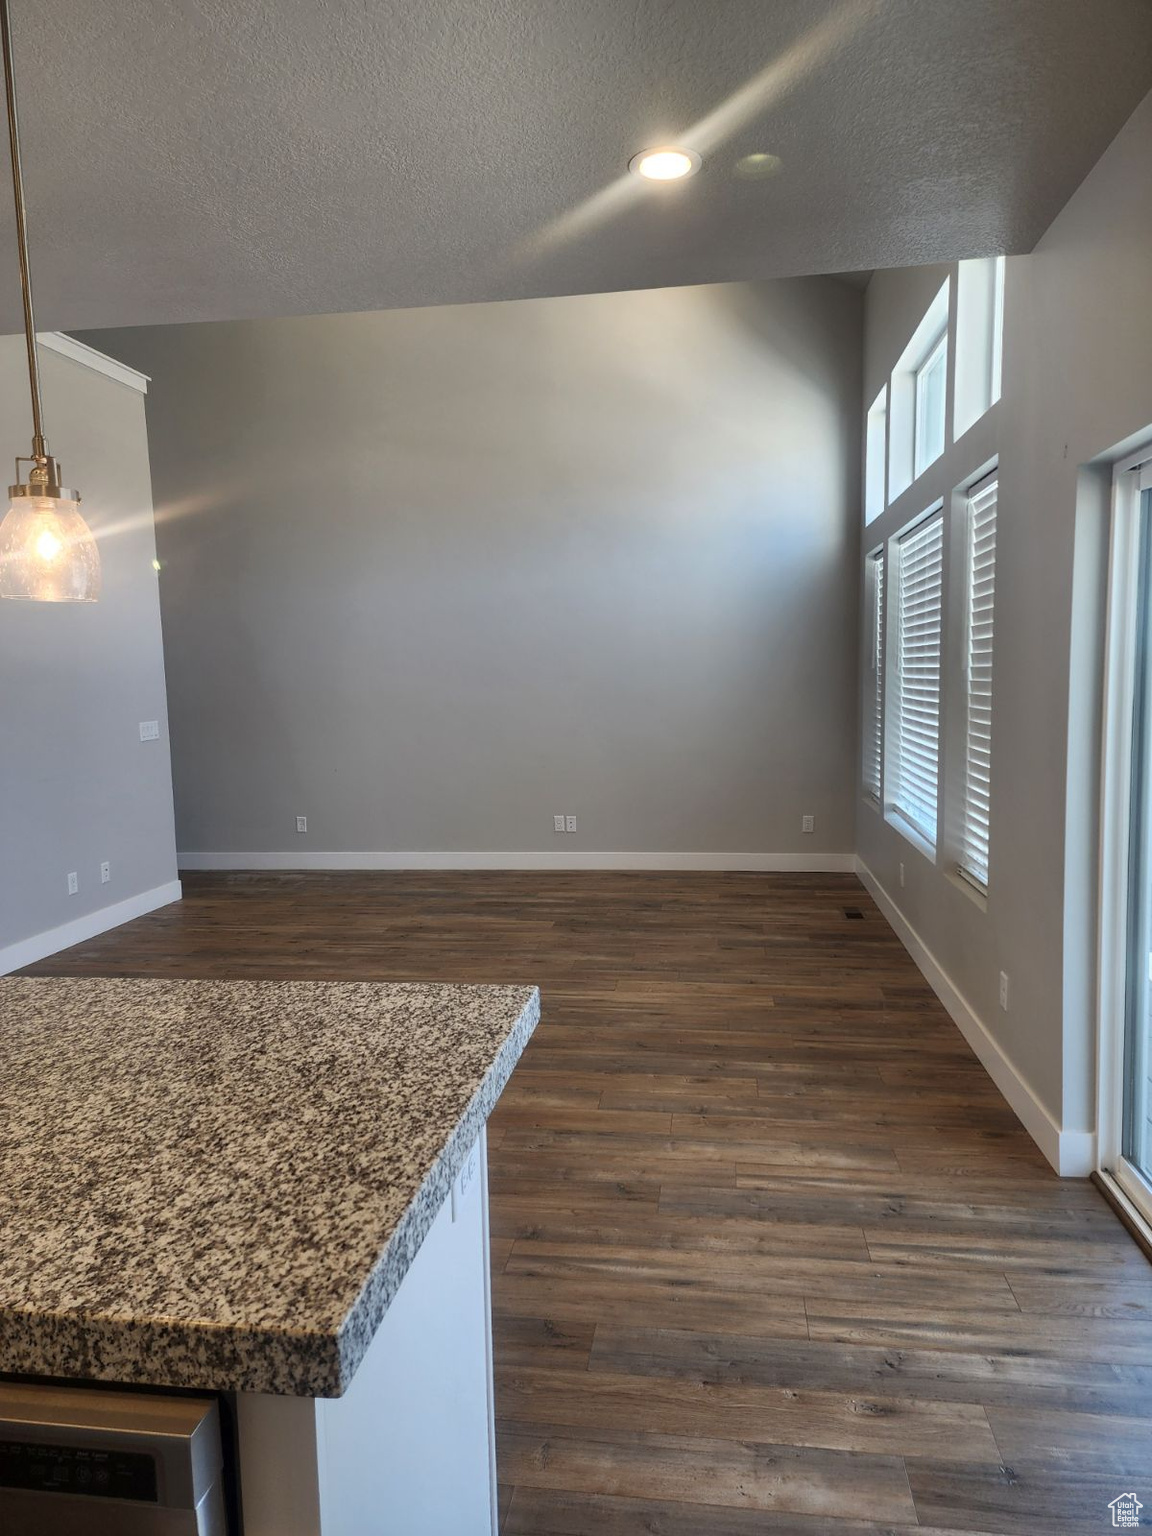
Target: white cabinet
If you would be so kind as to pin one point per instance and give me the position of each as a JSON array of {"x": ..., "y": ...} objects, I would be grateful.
[{"x": 410, "y": 1449}]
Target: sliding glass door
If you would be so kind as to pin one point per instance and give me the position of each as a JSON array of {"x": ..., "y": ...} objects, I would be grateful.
[
  {"x": 1126, "y": 956},
  {"x": 1136, "y": 1060}
]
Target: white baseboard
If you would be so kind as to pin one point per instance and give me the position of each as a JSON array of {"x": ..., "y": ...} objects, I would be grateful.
[
  {"x": 1071, "y": 1153},
  {"x": 41, "y": 945},
  {"x": 1079, "y": 1155},
  {"x": 780, "y": 863}
]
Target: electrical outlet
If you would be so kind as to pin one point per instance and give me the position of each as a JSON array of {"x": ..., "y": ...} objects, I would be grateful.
[
  {"x": 301, "y": 823},
  {"x": 901, "y": 874},
  {"x": 105, "y": 872},
  {"x": 73, "y": 883},
  {"x": 1004, "y": 990},
  {"x": 569, "y": 823},
  {"x": 464, "y": 1181},
  {"x": 149, "y": 730},
  {"x": 557, "y": 823},
  {"x": 808, "y": 824}
]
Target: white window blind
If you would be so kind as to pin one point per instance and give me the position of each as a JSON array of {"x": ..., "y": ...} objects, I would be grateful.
[
  {"x": 915, "y": 740},
  {"x": 874, "y": 716},
  {"x": 981, "y": 578}
]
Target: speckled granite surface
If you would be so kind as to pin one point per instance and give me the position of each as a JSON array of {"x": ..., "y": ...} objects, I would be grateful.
[{"x": 222, "y": 1184}]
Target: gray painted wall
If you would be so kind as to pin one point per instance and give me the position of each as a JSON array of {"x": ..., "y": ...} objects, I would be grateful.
[
  {"x": 433, "y": 576},
  {"x": 77, "y": 785},
  {"x": 1077, "y": 384}
]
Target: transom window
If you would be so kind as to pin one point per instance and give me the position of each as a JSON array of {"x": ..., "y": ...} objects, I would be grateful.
[{"x": 931, "y": 381}]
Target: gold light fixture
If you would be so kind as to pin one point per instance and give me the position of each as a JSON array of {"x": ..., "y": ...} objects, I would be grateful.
[{"x": 47, "y": 552}]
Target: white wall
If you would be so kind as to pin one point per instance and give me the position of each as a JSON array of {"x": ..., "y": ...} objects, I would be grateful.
[
  {"x": 433, "y": 576},
  {"x": 77, "y": 786},
  {"x": 1077, "y": 389}
]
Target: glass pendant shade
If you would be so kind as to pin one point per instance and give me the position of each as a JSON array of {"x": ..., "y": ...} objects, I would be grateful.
[{"x": 47, "y": 552}]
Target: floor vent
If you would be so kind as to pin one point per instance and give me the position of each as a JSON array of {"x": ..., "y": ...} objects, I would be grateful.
[{"x": 853, "y": 912}]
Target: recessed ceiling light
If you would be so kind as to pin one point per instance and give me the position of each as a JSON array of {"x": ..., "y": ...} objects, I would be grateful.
[
  {"x": 752, "y": 167},
  {"x": 665, "y": 164}
]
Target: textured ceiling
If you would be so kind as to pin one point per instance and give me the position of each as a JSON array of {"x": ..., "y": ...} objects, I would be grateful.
[{"x": 224, "y": 158}]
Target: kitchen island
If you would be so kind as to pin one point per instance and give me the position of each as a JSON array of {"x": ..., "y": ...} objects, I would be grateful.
[{"x": 276, "y": 1191}]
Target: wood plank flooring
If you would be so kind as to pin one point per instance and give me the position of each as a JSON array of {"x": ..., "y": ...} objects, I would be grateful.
[{"x": 771, "y": 1253}]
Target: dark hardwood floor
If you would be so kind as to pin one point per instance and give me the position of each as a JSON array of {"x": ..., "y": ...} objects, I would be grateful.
[{"x": 772, "y": 1254}]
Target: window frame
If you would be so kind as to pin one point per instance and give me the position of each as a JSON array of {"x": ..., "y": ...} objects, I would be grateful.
[
  {"x": 936, "y": 352},
  {"x": 935, "y": 322},
  {"x": 996, "y": 365},
  {"x": 1131, "y": 479},
  {"x": 978, "y": 341},
  {"x": 876, "y": 457}
]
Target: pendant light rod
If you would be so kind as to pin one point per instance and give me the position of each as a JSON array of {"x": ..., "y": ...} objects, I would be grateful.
[
  {"x": 39, "y": 446},
  {"x": 47, "y": 551}
]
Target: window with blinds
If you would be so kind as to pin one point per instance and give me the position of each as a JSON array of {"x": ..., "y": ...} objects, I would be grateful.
[
  {"x": 981, "y": 582},
  {"x": 914, "y": 743},
  {"x": 874, "y": 706}
]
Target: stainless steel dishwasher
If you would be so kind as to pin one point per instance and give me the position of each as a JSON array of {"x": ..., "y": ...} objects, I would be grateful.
[{"x": 79, "y": 1461}]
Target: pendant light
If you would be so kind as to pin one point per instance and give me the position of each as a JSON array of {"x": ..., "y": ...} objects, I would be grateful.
[{"x": 47, "y": 552}]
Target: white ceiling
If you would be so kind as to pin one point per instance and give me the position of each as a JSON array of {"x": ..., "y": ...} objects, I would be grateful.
[{"x": 229, "y": 158}]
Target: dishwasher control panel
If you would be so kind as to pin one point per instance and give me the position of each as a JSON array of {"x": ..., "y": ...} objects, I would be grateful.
[
  {"x": 82, "y": 1461},
  {"x": 78, "y": 1469}
]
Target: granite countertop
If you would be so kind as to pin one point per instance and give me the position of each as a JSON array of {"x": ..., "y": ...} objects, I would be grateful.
[{"x": 221, "y": 1184}]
